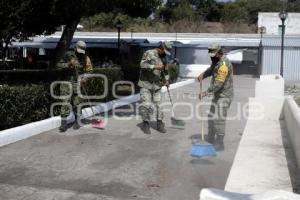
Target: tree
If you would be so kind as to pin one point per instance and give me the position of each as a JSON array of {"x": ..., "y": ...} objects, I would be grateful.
[
  {"x": 235, "y": 12},
  {"x": 23, "y": 18},
  {"x": 208, "y": 10},
  {"x": 175, "y": 10},
  {"x": 19, "y": 20},
  {"x": 72, "y": 13}
]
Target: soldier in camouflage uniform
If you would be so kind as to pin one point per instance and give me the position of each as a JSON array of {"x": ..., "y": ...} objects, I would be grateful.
[
  {"x": 77, "y": 63},
  {"x": 153, "y": 75},
  {"x": 221, "y": 87}
]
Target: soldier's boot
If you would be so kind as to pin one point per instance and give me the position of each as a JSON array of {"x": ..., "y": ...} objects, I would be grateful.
[
  {"x": 161, "y": 127},
  {"x": 76, "y": 125},
  {"x": 219, "y": 144},
  {"x": 210, "y": 138},
  {"x": 146, "y": 127},
  {"x": 64, "y": 125}
]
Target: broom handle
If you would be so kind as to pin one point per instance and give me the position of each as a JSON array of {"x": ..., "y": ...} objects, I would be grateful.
[
  {"x": 201, "y": 121},
  {"x": 83, "y": 87},
  {"x": 170, "y": 101}
]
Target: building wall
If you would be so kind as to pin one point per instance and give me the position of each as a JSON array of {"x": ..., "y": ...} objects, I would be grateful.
[
  {"x": 192, "y": 55},
  {"x": 271, "y": 21},
  {"x": 271, "y": 62}
]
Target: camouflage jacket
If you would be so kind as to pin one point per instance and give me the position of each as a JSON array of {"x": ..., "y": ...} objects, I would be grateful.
[
  {"x": 150, "y": 78},
  {"x": 221, "y": 84},
  {"x": 83, "y": 65}
]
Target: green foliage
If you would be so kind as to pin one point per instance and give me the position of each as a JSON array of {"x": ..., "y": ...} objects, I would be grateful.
[
  {"x": 256, "y": 6},
  {"x": 30, "y": 17},
  {"x": 23, "y": 104},
  {"x": 208, "y": 10},
  {"x": 107, "y": 22},
  {"x": 31, "y": 77},
  {"x": 23, "y": 18},
  {"x": 94, "y": 85},
  {"x": 173, "y": 72},
  {"x": 177, "y": 10},
  {"x": 131, "y": 72},
  {"x": 235, "y": 12}
]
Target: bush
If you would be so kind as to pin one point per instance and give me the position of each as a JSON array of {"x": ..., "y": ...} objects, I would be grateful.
[
  {"x": 24, "y": 77},
  {"x": 173, "y": 72},
  {"x": 24, "y": 104},
  {"x": 132, "y": 73},
  {"x": 94, "y": 86}
]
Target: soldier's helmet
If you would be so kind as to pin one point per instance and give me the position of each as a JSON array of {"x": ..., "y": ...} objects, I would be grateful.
[
  {"x": 167, "y": 46},
  {"x": 213, "y": 49},
  {"x": 80, "y": 47}
]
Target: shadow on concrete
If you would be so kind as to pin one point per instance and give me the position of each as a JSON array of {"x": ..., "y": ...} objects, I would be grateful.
[
  {"x": 290, "y": 158},
  {"x": 201, "y": 161}
]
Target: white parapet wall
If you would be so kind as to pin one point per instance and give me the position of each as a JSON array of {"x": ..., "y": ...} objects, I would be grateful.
[
  {"x": 262, "y": 142},
  {"x": 215, "y": 194},
  {"x": 291, "y": 114},
  {"x": 269, "y": 86},
  {"x": 12, "y": 135},
  {"x": 260, "y": 169},
  {"x": 191, "y": 70}
]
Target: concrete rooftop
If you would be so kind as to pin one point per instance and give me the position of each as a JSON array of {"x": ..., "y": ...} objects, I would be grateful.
[{"x": 121, "y": 162}]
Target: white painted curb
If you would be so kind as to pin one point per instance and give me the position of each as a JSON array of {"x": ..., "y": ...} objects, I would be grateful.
[
  {"x": 215, "y": 194},
  {"x": 15, "y": 134},
  {"x": 21, "y": 132},
  {"x": 291, "y": 114}
]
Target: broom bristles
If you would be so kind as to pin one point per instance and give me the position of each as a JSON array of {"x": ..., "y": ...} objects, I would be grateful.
[
  {"x": 201, "y": 150},
  {"x": 177, "y": 122}
]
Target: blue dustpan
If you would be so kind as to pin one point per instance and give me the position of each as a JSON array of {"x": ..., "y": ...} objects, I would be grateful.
[{"x": 203, "y": 149}]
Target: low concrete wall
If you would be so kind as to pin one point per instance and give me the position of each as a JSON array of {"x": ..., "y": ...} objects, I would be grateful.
[
  {"x": 260, "y": 158},
  {"x": 215, "y": 194},
  {"x": 291, "y": 114},
  {"x": 11, "y": 135},
  {"x": 269, "y": 86},
  {"x": 260, "y": 169},
  {"x": 22, "y": 132},
  {"x": 191, "y": 70}
]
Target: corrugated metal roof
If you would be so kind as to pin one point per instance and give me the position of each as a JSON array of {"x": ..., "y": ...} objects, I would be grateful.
[{"x": 276, "y": 41}]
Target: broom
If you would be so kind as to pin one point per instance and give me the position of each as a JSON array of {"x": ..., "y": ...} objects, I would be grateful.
[
  {"x": 174, "y": 121},
  {"x": 96, "y": 123},
  {"x": 202, "y": 148}
]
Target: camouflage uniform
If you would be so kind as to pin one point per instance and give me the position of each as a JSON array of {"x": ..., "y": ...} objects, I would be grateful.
[
  {"x": 83, "y": 65},
  {"x": 151, "y": 80},
  {"x": 222, "y": 88}
]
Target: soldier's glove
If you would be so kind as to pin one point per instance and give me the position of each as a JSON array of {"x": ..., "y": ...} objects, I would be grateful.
[
  {"x": 72, "y": 63},
  {"x": 200, "y": 77},
  {"x": 82, "y": 81},
  {"x": 203, "y": 94},
  {"x": 167, "y": 84},
  {"x": 159, "y": 66}
]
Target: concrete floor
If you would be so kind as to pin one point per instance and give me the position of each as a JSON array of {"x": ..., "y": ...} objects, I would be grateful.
[{"x": 121, "y": 162}]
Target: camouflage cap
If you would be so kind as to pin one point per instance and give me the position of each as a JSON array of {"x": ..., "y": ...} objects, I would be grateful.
[
  {"x": 213, "y": 49},
  {"x": 167, "y": 46},
  {"x": 80, "y": 47}
]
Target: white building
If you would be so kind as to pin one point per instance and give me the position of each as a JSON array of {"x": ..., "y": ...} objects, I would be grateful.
[{"x": 272, "y": 23}]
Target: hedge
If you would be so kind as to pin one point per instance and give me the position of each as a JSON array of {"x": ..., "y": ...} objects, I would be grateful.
[
  {"x": 173, "y": 72},
  {"x": 132, "y": 72},
  {"x": 22, "y": 104}
]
